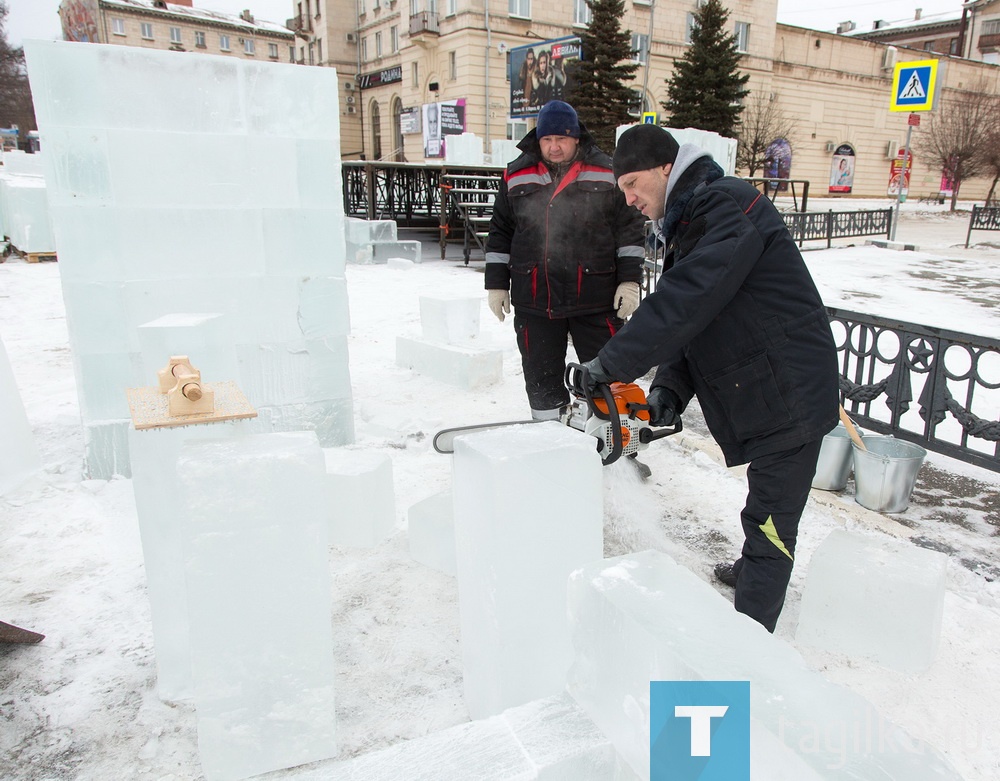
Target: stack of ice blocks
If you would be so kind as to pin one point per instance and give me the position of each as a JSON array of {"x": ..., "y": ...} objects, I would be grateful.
[
  {"x": 464, "y": 149},
  {"x": 448, "y": 351},
  {"x": 197, "y": 184},
  {"x": 26, "y": 214},
  {"x": 375, "y": 241}
]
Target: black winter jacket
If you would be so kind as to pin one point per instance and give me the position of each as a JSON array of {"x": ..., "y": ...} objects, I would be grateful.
[
  {"x": 562, "y": 248},
  {"x": 735, "y": 319}
]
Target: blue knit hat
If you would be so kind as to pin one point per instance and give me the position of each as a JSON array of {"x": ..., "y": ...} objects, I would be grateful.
[{"x": 557, "y": 119}]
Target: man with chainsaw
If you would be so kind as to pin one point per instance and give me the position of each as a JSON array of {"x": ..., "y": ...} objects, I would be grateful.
[
  {"x": 737, "y": 321},
  {"x": 564, "y": 249}
]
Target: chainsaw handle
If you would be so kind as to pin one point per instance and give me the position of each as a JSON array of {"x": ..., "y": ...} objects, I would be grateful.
[{"x": 648, "y": 435}]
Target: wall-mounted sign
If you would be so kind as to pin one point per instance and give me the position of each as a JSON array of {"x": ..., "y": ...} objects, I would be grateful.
[
  {"x": 441, "y": 120},
  {"x": 377, "y": 79},
  {"x": 842, "y": 169},
  {"x": 409, "y": 120}
]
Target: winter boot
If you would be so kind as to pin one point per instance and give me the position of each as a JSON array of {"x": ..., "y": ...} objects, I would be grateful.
[{"x": 726, "y": 574}]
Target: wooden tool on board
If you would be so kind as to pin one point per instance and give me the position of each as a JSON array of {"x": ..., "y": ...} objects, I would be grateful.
[{"x": 851, "y": 430}]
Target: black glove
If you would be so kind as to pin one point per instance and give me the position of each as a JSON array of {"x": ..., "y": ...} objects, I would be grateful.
[
  {"x": 597, "y": 373},
  {"x": 663, "y": 405}
]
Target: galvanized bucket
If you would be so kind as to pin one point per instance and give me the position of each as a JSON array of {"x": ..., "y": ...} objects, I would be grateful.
[
  {"x": 885, "y": 474},
  {"x": 835, "y": 460}
]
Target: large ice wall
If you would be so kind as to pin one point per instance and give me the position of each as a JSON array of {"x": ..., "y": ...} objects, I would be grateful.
[
  {"x": 197, "y": 183},
  {"x": 18, "y": 454}
]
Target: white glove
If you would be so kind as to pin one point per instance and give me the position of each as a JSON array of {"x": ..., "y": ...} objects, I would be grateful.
[
  {"x": 626, "y": 299},
  {"x": 499, "y": 303}
]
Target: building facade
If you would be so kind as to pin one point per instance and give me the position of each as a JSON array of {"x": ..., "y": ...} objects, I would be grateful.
[
  {"x": 175, "y": 26},
  {"x": 411, "y": 72}
]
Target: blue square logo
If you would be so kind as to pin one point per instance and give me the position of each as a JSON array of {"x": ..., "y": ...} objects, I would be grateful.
[{"x": 699, "y": 731}]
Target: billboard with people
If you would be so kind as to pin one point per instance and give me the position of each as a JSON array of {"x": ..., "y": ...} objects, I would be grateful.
[{"x": 541, "y": 72}]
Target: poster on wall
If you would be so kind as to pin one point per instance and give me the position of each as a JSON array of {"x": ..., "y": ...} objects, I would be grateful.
[
  {"x": 441, "y": 120},
  {"x": 896, "y": 173},
  {"x": 778, "y": 163},
  {"x": 541, "y": 72},
  {"x": 409, "y": 121},
  {"x": 842, "y": 169},
  {"x": 79, "y": 21}
]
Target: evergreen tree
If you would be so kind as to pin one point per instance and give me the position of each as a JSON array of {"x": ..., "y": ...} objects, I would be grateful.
[
  {"x": 706, "y": 86},
  {"x": 598, "y": 89}
]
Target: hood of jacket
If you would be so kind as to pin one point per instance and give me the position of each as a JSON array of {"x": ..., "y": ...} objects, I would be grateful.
[{"x": 693, "y": 167}]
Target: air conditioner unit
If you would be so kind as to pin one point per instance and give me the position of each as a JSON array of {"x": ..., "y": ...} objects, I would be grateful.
[
  {"x": 351, "y": 37},
  {"x": 830, "y": 146},
  {"x": 351, "y": 109},
  {"x": 349, "y": 86},
  {"x": 350, "y": 100},
  {"x": 891, "y": 150},
  {"x": 889, "y": 58}
]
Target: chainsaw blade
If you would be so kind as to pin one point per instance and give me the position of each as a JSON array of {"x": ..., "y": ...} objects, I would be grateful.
[{"x": 444, "y": 440}]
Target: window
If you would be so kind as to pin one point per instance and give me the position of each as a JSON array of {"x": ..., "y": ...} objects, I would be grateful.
[
  {"x": 199, "y": 39},
  {"x": 991, "y": 27},
  {"x": 415, "y": 75},
  {"x": 376, "y": 121},
  {"x": 452, "y": 66},
  {"x": 414, "y": 7},
  {"x": 953, "y": 47},
  {"x": 452, "y": 7},
  {"x": 742, "y": 36},
  {"x": 224, "y": 42},
  {"x": 147, "y": 31},
  {"x": 272, "y": 51},
  {"x": 637, "y": 105},
  {"x": 291, "y": 53},
  {"x": 640, "y": 47},
  {"x": 581, "y": 12},
  {"x": 175, "y": 34},
  {"x": 690, "y": 28},
  {"x": 248, "y": 46},
  {"x": 519, "y": 8},
  {"x": 364, "y": 49},
  {"x": 118, "y": 26},
  {"x": 394, "y": 38},
  {"x": 312, "y": 52},
  {"x": 378, "y": 44},
  {"x": 319, "y": 51},
  {"x": 516, "y": 129}
]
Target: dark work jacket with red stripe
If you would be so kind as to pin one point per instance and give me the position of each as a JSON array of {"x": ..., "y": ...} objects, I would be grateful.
[
  {"x": 735, "y": 319},
  {"x": 562, "y": 248}
]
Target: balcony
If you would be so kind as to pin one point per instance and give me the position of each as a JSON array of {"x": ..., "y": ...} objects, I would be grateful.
[
  {"x": 424, "y": 24},
  {"x": 300, "y": 25},
  {"x": 989, "y": 43}
]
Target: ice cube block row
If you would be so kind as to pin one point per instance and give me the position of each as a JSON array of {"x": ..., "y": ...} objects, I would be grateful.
[
  {"x": 375, "y": 241},
  {"x": 19, "y": 455},
  {"x": 27, "y": 221}
]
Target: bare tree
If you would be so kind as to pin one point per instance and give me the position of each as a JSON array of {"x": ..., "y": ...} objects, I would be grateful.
[
  {"x": 762, "y": 123},
  {"x": 15, "y": 96},
  {"x": 991, "y": 158},
  {"x": 956, "y": 137}
]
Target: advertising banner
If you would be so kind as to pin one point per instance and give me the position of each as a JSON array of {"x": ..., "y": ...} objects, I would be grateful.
[
  {"x": 441, "y": 120},
  {"x": 540, "y": 73},
  {"x": 842, "y": 169}
]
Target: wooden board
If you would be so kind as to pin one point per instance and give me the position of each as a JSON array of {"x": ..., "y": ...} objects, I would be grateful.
[
  {"x": 149, "y": 407},
  {"x": 35, "y": 257},
  {"x": 15, "y": 634}
]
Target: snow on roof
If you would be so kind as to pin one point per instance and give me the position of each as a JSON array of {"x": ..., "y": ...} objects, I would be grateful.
[
  {"x": 900, "y": 25},
  {"x": 201, "y": 13}
]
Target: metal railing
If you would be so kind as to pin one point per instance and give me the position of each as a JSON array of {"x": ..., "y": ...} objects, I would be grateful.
[
  {"x": 829, "y": 225},
  {"x": 469, "y": 200},
  {"x": 771, "y": 188},
  {"x": 937, "y": 388}
]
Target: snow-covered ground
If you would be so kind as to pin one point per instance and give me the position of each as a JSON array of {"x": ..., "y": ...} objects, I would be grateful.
[{"x": 82, "y": 704}]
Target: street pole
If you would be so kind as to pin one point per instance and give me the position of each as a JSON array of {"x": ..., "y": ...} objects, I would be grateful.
[
  {"x": 649, "y": 46},
  {"x": 902, "y": 182}
]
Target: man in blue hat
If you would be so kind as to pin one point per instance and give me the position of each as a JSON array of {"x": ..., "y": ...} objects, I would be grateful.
[{"x": 564, "y": 249}]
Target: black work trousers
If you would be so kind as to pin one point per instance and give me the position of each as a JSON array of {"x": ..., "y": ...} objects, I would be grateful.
[
  {"x": 543, "y": 342},
  {"x": 779, "y": 487}
]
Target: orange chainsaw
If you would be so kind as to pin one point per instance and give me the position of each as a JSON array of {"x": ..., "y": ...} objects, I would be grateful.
[{"x": 616, "y": 414}]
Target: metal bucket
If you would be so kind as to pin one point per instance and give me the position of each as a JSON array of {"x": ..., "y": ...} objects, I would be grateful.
[
  {"x": 885, "y": 474},
  {"x": 835, "y": 460}
]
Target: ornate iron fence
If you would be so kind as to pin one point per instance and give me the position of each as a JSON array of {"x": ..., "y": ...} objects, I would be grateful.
[
  {"x": 954, "y": 378},
  {"x": 831, "y": 225}
]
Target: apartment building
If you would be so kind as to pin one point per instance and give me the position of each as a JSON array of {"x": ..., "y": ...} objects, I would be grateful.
[{"x": 176, "y": 26}]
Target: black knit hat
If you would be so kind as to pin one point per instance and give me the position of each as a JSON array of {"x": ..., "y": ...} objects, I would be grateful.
[
  {"x": 557, "y": 119},
  {"x": 643, "y": 147}
]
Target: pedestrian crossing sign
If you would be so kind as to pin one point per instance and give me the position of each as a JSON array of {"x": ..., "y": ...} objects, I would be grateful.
[{"x": 913, "y": 86}]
